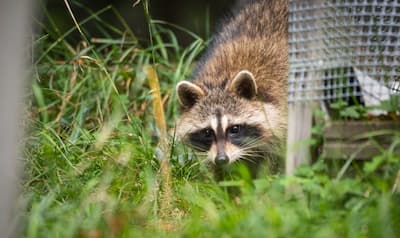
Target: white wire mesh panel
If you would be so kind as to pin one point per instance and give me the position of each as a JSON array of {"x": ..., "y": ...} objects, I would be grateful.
[{"x": 344, "y": 49}]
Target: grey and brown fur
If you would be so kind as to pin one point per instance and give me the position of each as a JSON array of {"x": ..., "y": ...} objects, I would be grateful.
[{"x": 234, "y": 109}]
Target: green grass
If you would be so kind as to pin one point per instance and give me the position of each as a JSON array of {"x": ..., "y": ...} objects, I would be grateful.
[{"x": 92, "y": 167}]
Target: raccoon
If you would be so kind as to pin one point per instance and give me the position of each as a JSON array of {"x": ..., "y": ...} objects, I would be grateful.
[{"x": 234, "y": 108}]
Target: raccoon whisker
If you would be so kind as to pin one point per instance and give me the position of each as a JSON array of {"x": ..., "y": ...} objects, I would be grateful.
[
  {"x": 252, "y": 158},
  {"x": 249, "y": 155},
  {"x": 253, "y": 153},
  {"x": 263, "y": 152},
  {"x": 243, "y": 159},
  {"x": 254, "y": 142},
  {"x": 258, "y": 150},
  {"x": 197, "y": 149},
  {"x": 249, "y": 159},
  {"x": 254, "y": 149},
  {"x": 259, "y": 143}
]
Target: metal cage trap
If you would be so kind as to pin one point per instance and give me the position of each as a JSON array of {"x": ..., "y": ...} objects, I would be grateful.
[
  {"x": 344, "y": 49},
  {"x": 339, "y": 50}
]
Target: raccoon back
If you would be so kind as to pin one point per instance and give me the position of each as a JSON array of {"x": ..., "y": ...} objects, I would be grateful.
[{"x": 254, "y": 38}]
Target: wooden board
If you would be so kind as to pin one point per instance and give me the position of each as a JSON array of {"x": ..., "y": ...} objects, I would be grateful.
[
  {"x": 353, "y": 129},
  {"x": 358, "y": 139}
]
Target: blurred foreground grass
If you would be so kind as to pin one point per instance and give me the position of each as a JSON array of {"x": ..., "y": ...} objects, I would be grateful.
[{"x": 92, "y": 165}]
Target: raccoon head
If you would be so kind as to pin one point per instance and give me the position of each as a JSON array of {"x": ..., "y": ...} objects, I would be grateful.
[{"x": 227, "y": 124}]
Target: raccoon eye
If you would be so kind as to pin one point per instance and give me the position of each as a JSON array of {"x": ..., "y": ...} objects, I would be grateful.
[
  {"x": 207, "y": 133},
  {"x": 235, "y": 129}
]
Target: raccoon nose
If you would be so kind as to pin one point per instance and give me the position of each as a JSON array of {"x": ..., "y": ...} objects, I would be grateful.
[{"x": 221, "y": 159}]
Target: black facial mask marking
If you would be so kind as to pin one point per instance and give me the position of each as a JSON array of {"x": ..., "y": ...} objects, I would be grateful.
[
  {"x": 202, "y": 139},
  {"x": 238, "y": 135},
  {"x": 241, "y": 134}
]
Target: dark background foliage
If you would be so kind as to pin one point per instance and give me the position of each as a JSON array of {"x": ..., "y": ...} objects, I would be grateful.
[{"x": 198, "y": 16}]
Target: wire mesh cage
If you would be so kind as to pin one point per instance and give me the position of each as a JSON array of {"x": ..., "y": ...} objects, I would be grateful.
[{"x": 344, "y": 50}]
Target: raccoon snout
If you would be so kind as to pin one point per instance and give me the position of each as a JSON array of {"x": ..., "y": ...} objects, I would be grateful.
[{"x": 221, "y": 158}]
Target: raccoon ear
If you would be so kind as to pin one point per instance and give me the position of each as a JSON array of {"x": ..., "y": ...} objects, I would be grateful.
[
  {"x": 188, "y": 93},
  {"x": 244, "y": 85}
]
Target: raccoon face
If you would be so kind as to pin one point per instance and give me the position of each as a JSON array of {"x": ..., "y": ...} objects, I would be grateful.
[
  {"x": 226, "y": 124},
  {"x": 223, "y": 141}
]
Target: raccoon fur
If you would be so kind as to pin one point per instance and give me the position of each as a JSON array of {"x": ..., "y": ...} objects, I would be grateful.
[{"x": 234, "y": 108}]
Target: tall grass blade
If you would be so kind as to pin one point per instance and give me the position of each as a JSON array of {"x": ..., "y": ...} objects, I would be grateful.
[{"x": 165, "y": 170}]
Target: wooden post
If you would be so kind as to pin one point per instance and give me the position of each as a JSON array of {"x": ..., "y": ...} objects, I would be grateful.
[
  {"x": 305, "y": 54},
  {"x": 15, "y": 20},
  {"x": 299, "y": 133}
]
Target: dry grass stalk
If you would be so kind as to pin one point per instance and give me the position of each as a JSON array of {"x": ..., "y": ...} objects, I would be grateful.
[{"x": 166, "y": 197}]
